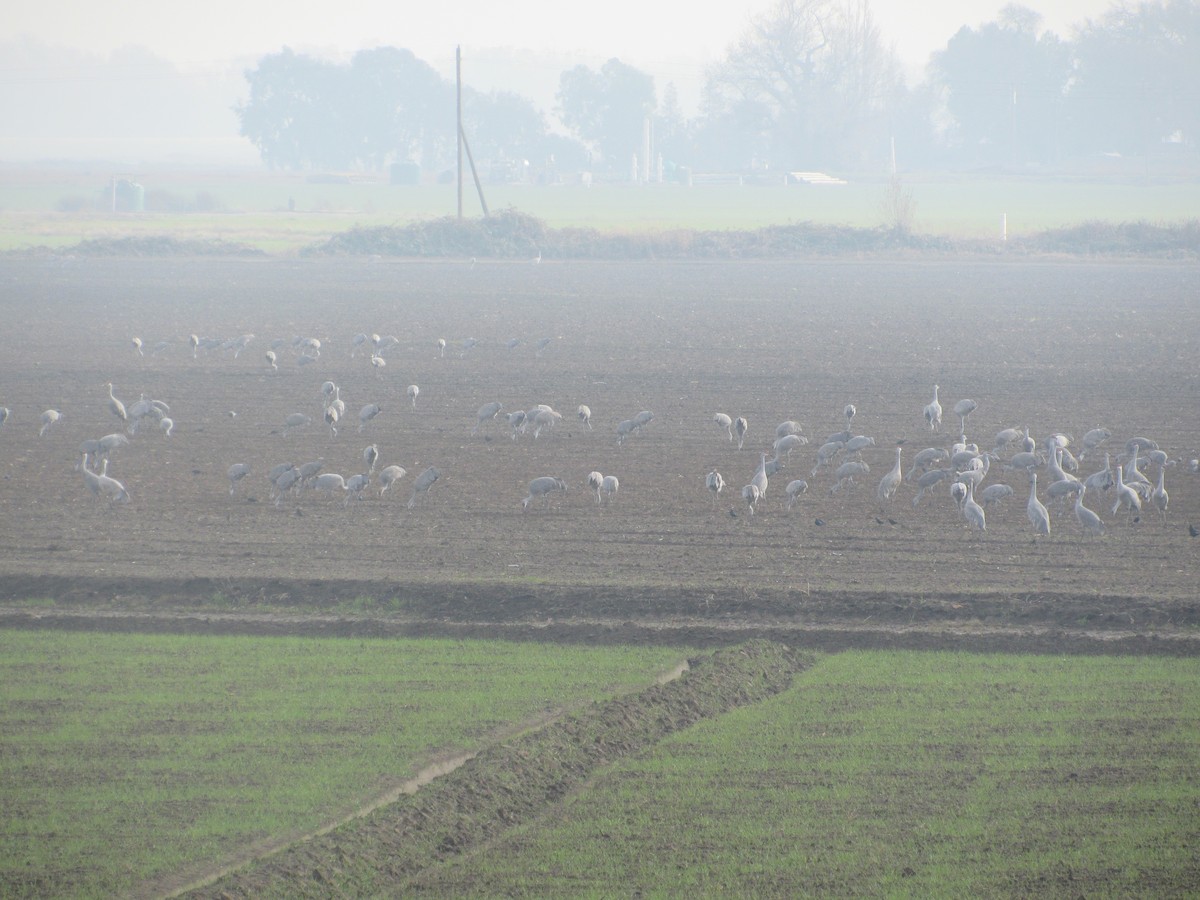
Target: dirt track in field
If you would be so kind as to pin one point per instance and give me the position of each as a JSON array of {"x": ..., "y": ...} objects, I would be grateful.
[{"x": 1057, "y": 346}]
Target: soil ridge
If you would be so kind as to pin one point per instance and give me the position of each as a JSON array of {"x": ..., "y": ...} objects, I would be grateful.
[{"x": 510, "y": 783}]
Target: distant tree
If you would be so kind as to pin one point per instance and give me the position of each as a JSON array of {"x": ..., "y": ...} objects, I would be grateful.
[
  {"x": 1005, "y": 87},
  {"x": 291, "y": 115},
  {"x": 607, "y": 108},
  {"x": 385, "y": 105},
  {"x": 821, "y": 73},
  {"x": 503, "y": 125},
  {"x": 1137, "y": 79},
  {"x": 398, "y": 107}
]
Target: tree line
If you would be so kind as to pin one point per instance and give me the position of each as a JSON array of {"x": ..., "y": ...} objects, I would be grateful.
[{"x": 809, "y": 84}]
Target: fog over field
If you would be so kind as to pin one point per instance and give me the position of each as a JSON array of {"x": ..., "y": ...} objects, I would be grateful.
[{"x": 147, "y": 87}]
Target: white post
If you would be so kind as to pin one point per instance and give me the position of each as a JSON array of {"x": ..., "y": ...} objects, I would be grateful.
[{"x": 1004, "y": 226}]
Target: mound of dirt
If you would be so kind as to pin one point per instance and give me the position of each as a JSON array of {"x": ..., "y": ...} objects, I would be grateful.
[{"x": 511, "y": 783}]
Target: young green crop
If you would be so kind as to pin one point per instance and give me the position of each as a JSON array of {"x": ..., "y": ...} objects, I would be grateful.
[
  {"x": 130, "y": 759},
  {"x": 894, "y": 773}
]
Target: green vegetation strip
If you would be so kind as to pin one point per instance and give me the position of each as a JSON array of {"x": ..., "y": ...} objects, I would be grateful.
[
  {"x": 128, "y": 760},
  {"x": 511, "y": 784},
  {"x": 891, "y": 774}
]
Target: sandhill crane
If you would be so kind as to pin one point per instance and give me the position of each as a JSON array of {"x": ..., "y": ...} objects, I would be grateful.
[
  {"x": 309, "y": 469},
  {"x": 890, "y": 482},
  {"x": 1088, "y": 520},
  {"x": 1134, "y": 477},
  {"x": 849, "y": 412},
  {"x": 642, "y": 419},
  {"x": 741, "y": 426},
  {"x": 1028, "y": 444},
  {"x": 1103, "y": 479},
  {"x": 542, "y": 417},
  {"x": 295, "y": 420},
  {"x": 715, "y": 484},
  {"x": 1159, "y": 498},
  {"x": 379, "y": 364},
  {"x": 793, "y": 491},
  {"x": 541, "y": 345},
  {"x": 367, "y": 413},
  {"x": 441, "y": 345},
  {"x": 516, "y": 421},
  {"x": 751, "y": 495},
  {"x": 111, "y": 442},
  {"x": 625, "y": 428},
  {"x": 1026, "y": 460},
  {"x": 1059, "y": 491},
  {"x": 331, "y": 419},
  {"x": 1039, "y": 516},
  {"x": 285, "y": 481},
  {"x": 370, "y": 457},
  {"x": 723, "y": 421},
  {"x": 1005, "y": 437},
  {"x": 49, "y": 417},
  {"x": 166, "y": 424},
  {"x": 963, "y": 409},
  {"x": 788, "y": 443},
  {"x": 513, "y": 343},
  {"x": 137, "y": 345},
  {"x": 5, "y": 412},
  {"x": 543, "y": 487},
  {"x": 933, "y": 412},
  {"x": 972, "y": 511},
  {"x": 413, "y": 391},
  {"x": 486, "y": 412},
  {"x": 594, "y": 481},
  {"x": 355, "y": 485},
  {"x": 423, "y": 483},
  {"x": 357, "y": 343},
  {"x": 1093, "y": 439},
  {"x": 389, "y": 476},
  {"x": 270, "y": 358},
  {"x": 826, "y": 454},
  {"x": 783, "y": 429},
  {"x": 924, "y": 459},
  {"x": 328, "y": 482},
  {"x": 585, "y": 415},
  {"x": 927, "y": 481},
  {"x": 609, "y": 487},
  {"x": 90, "y": 448},
  {"x": 236, "y": 473},
  {"x": 858, "y": 443},
  {"x": 194, "y": 343},
  {"x": 110, "y": 487},
  {"x": 958, "y": 493},
  {"x": 1126, "y": 496},
  {"x": 117, "y": 407},
  {"x": 994, "y": 493},
  {"x": 760, "y": 476},
  {"x": 845, "y": 474}
]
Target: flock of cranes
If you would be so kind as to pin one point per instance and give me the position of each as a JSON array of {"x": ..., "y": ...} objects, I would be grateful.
[
  {"x": 1121, "y": 488},
  {"x": 965, "y": 465}
]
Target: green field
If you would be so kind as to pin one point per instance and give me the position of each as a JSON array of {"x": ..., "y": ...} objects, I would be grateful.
[
  {"x": 914, "y": 774},
  {"x": 253, "y": 208},
  {"x": 129, "y": 758}
]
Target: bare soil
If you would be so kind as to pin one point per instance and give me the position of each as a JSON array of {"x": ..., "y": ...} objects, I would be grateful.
[{"x": 1055, "y": 345}]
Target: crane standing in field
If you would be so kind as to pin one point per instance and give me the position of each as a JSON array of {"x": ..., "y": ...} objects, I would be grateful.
[
  {"x": 723, "y": 421},
  {"x": 963, "y": 409},
  {"x": 890, "y": 482},
  {"x": 389, "y": 476},
  {"x": 423, "y": 483},
  {"x": 609, "y": 486},
  {"x": 543, "y": 487},
  {"x": 933, "y": 412},
  {"x": 117, "y": 407},
  {"x": 741, "y": 426},
  {"x": 595, "y": 481},
  {"x": 1038, "y": 515},
  {"x": 413, "y": 391},
  {"x": 715, "y": 484}
]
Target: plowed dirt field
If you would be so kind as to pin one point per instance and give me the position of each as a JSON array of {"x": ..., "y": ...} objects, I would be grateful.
[{"x": 1057, "y": 346}]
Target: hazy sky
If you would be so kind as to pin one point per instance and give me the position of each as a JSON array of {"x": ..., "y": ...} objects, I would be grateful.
[{"x": 639, "y": 32}]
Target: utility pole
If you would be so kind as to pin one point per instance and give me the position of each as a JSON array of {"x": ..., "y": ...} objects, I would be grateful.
[{"x": 458, "y": 127}]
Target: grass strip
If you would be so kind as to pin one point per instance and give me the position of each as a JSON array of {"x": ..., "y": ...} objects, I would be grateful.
[{"x": 511, "y": 783}]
